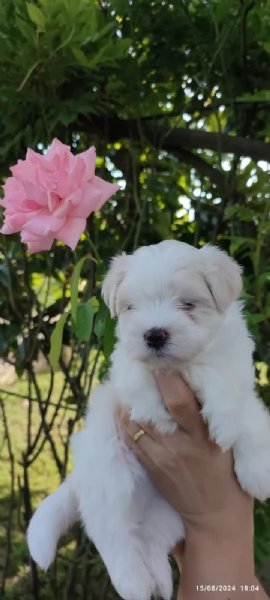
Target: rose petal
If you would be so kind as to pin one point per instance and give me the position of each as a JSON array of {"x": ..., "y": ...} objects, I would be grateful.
[
  {"x": 107, "y": 189},
  {"x": 89, "y": 158},
  {"x": 12, "y": 186},
  {"x": 40, "y": 246},
  {"x": 45, "y": 178},
  {"x": 35, "y": 193},
  {"x": 53, "y": 201},
  {"x": 71, "y": 178},
  {"x": 65, "y": 206},
  {"x": 20, "y": 205},
  {"x": 56, "y": 147},
  {"x": 71, "y": 232},
  {"x": 7, "y": 228},
  {"x": 35, "y": 157},
  {"x": 65, "y": 185},
  {"x": 14, "y": 203},
  {"x": 90, "y": 199},
  {"x": 16, "y": 221},
  {"x": 24, "y": 171},
  {"x": 78, "y": 171},
  {"x": 26, "y": 236},
  {"x": 44, "y": 223}
]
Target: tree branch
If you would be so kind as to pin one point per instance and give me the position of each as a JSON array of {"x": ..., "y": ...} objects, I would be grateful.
[
  {"x": 191, "y": 138},
  {"x": 205, "y": 169},
  {"x": 8, "y": 548},
  {"x": 175, "y": 139}
]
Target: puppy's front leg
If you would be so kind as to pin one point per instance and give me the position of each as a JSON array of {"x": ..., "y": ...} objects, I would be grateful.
[
  {"x": 237, "y": 419},
  {"x": 138, "y": 390},
  {"x": 222, "y": 404},
  {"x": 252, "y": 450}
]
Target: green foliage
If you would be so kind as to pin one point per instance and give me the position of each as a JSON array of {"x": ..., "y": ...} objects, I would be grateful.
[
  {"x": 100, "y": 320},
  {"x": 74, "y": 287},
  {"x": 175, "y": 98},
  {"x": 109, "y": 336},
  {"x": 84, "y": 321},
  {"x": 56, "y": 340}
]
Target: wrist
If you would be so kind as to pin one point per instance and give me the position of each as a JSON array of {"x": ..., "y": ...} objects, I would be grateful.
[
  {"x": 221, "y": 558},
  {"x": 216, "y": 557},
  {"x": 231, "y": 528}
]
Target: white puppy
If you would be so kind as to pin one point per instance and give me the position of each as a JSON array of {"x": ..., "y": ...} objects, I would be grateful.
[{"x": 176, "y": 311}]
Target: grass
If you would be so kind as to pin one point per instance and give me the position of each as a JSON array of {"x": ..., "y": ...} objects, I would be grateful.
[{"x": 43, "y": 473}]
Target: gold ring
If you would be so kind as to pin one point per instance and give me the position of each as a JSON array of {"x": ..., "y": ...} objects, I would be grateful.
[{"x": 137, "y": 435}]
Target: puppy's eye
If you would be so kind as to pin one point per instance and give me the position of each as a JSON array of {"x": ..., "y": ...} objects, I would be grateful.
[{"x": 188, "y": 305}]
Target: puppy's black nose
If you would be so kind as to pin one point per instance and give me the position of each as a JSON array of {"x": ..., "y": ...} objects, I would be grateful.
[{"x": 156, "y": 338}]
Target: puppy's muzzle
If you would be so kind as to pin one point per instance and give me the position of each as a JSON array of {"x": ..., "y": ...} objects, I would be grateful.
[{"x": 156, "y": 338}]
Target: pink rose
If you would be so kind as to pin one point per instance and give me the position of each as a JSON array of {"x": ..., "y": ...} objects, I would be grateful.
[{"x": 50, "y": 196}]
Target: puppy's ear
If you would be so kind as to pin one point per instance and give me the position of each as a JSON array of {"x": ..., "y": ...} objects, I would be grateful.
[
  {"x": 222, "y": 276},
  {"x": 115, "y": 275}
]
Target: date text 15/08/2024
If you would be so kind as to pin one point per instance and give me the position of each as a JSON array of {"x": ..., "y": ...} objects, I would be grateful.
[{"x": 226, "y": 588}]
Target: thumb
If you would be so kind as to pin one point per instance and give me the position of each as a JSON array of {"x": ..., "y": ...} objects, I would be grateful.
[{"x": 180, "y": 401}]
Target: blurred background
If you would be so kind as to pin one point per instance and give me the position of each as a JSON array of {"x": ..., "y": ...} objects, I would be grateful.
[{"x": 175, "y": 95}]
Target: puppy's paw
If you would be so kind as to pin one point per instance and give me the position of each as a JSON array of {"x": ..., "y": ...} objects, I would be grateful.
[
  {"x": 158, "y": 416},
  {"x": 223, "y": 428},
  {"x": 252, "y": 469},
  {"x": 159, "y": 567},
  {"x": 131, "y": 578}
]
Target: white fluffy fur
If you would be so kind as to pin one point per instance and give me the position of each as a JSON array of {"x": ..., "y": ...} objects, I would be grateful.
[{"x": 133, "y": 528}]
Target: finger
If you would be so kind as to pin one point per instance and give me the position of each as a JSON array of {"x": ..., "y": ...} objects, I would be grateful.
[
  {"x": 149, "y": 428},
  {"x": 145, "y": 445},
  {"x": 181, "y": 402},
  {"x": 121, "y": 418},
  {"x": 122, "y": 415}
]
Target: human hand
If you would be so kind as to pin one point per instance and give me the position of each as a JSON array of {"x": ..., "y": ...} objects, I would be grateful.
[
  {"x": 189, "y": 470},
  {"x": 198, "y": 480}
]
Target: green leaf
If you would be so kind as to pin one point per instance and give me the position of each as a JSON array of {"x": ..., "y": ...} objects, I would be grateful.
[
  {"x": 162, "y": 223},
  {"x": 114, "y": 86},
  {"x": 101, "y": 270},
  {"x": 74, "y": 287},
  {"x": 82, "y": 327},
  {"x": 223, "y": 9},
  {"x": 92, "y": 23},
  {"x": 25, "y": 28},
  {"x": 120, "y": 48},
  {"x": 266, "y": 46},
  {"x": 95, "y": 303},
  {"x": 36, "y": 15},
  {"x": 19, "y": 371},
  {"x": 254, "y": 319},
  {"x": 240, "y": 242},
  {"x": 46, "y": 5},
  {"x": 100, "y": 320},
  {"x": 262, "y": 96},
  {"x": 112, "y": 51},
  {"x": 108, "y": 28},
  {"x": 81, "y": 57},
  {"x": 67, "y": 117},
  {"x": 56, "y": 341},
  {"x": 109, "y": 336}
]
